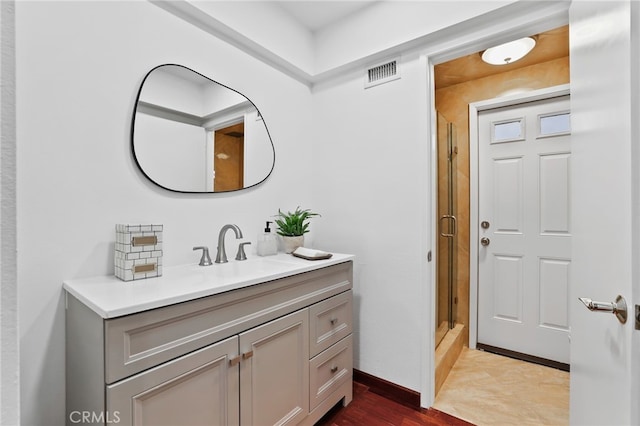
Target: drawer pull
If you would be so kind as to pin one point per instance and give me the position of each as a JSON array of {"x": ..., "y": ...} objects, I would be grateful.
[
  {"x": 333, "y": 321},
  {"x": 247, "y": 355},
  {"x": 334, "y": 369},
  {"x": 235, "y": 360}
]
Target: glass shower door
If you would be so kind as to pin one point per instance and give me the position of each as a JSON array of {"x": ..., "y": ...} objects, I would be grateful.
[{"x": 446, "y": 290}]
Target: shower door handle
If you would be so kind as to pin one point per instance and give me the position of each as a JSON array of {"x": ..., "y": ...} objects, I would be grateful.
[{"x": 454, "y": 226}]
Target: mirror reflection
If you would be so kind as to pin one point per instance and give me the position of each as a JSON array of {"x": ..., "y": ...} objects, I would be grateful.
[{"x": 192, "y": 134}]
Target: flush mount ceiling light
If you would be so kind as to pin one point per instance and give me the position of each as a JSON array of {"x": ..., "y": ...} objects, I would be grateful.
[{"x": 509, "y": 52}]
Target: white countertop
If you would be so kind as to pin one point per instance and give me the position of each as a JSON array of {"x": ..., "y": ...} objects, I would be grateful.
[{"x": 110, "y": 297}]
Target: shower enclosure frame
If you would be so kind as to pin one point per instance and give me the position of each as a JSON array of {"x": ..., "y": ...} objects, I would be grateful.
[{"x": 447, "y": 227}]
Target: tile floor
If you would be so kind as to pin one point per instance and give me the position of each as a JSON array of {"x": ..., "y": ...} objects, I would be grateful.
[{"x": 488, "y": 389}]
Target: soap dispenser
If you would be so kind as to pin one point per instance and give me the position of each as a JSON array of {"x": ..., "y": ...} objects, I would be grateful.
[{"x": 267, "y": 242}]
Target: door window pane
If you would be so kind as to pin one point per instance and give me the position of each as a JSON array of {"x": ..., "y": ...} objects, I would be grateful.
[
  {"x": 507, "y": 131},
  {"x": 555, "y": 124}
]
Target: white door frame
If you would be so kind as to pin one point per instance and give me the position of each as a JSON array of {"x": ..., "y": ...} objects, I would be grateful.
[
  {"x": 503, "y": 28},
  {"x": 474, "y": 109}
]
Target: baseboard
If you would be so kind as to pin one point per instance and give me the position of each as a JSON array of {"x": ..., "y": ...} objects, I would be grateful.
[{"x": 396, "y": 393}]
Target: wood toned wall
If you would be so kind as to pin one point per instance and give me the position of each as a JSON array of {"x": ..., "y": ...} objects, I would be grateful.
[{"x": 453, "y": 103}]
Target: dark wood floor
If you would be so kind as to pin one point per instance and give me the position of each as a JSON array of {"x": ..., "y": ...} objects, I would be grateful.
[{"x": 370, "y": 409}]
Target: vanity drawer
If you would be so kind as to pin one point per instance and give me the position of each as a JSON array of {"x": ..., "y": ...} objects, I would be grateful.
[
  {"x": 330, "y": 321},
  {"x": 136, "y": 342},
  {"x": 329, "y": 370}
]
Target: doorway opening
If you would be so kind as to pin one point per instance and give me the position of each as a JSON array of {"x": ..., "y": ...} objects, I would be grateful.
[
  {"x": 459, "y": 83},
  {"x": 228, "y": 158}
]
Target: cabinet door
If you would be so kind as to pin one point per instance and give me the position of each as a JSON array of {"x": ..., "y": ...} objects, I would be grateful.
[
  {"x": 201, "y": 388},
  {"x": 274, "y": 372}
]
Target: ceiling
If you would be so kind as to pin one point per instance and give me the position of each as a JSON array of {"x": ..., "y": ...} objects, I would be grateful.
[
  {"x": 317, "y": 14},
  {"x": 550, "y": 45}
]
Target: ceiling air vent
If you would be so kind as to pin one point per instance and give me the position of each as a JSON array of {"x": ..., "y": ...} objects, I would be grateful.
[{"x": 382, "y": 74}]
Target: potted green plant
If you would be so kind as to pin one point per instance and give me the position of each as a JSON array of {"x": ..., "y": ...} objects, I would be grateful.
[{"x": 292, "y": 226}]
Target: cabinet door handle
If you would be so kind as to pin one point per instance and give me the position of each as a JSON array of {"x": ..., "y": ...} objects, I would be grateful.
[
  {"x": 334, "y": 369},
  {"x": 333, "y": 321},
  {"x": 234, "y": 361},
  {"x": 247, "y": 355}
]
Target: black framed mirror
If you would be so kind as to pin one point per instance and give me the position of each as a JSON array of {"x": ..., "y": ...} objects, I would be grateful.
[{"x": 192, "y": 134}]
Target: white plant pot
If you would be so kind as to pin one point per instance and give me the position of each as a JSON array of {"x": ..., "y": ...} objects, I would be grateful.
[{"x": 291, "y": 243}]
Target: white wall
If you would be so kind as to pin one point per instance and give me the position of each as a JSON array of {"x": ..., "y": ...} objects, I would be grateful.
[
  {"x": 368, "y": 156},
  {"x": 183, "y": 90},
  {"x": 173, "y": 154},
  {"x": 164, "y": 88},
  {"x": 258, "y": 154},
  {"x": 79, "y": 65}
]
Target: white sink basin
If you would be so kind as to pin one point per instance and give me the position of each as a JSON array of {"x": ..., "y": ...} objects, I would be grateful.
[{"x": 220, "y": 274}]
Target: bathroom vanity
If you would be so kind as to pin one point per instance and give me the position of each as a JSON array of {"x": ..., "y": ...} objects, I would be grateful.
[{"x": 259, "y": 342}]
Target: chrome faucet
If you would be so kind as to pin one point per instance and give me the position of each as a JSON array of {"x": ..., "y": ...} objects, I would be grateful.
[
  {"x": 221, "y": 256},
  {"x": 205, "y": 260}
]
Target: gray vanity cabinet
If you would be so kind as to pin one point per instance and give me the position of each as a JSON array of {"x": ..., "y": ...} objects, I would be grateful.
[
  {"x": 269, "y": 375},
  {"x": 279, "y": 352}
]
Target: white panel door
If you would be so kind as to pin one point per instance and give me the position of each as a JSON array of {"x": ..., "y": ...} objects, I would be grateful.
[
  {"x": 605, "y": 354},
  {"x": 524, "y": 252}
]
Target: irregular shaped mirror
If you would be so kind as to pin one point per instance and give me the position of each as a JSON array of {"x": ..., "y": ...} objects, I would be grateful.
[{"x": 192, "y": 134}]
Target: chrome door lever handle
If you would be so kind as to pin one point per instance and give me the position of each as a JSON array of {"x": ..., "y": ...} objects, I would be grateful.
[{"x": 618, "y": 308}]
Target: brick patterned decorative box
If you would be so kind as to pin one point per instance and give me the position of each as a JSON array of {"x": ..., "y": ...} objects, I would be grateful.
[{"x": 138, "y": 252}]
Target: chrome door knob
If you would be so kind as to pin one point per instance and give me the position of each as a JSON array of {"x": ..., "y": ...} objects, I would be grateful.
[
  {"x": 618, "y": 308},
  {"x": 485, "y": 241}
]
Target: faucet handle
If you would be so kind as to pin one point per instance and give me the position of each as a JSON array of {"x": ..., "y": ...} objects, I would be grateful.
[
  {"x": 205, "y": 260},
  {"x": 241, "y": 255}
]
